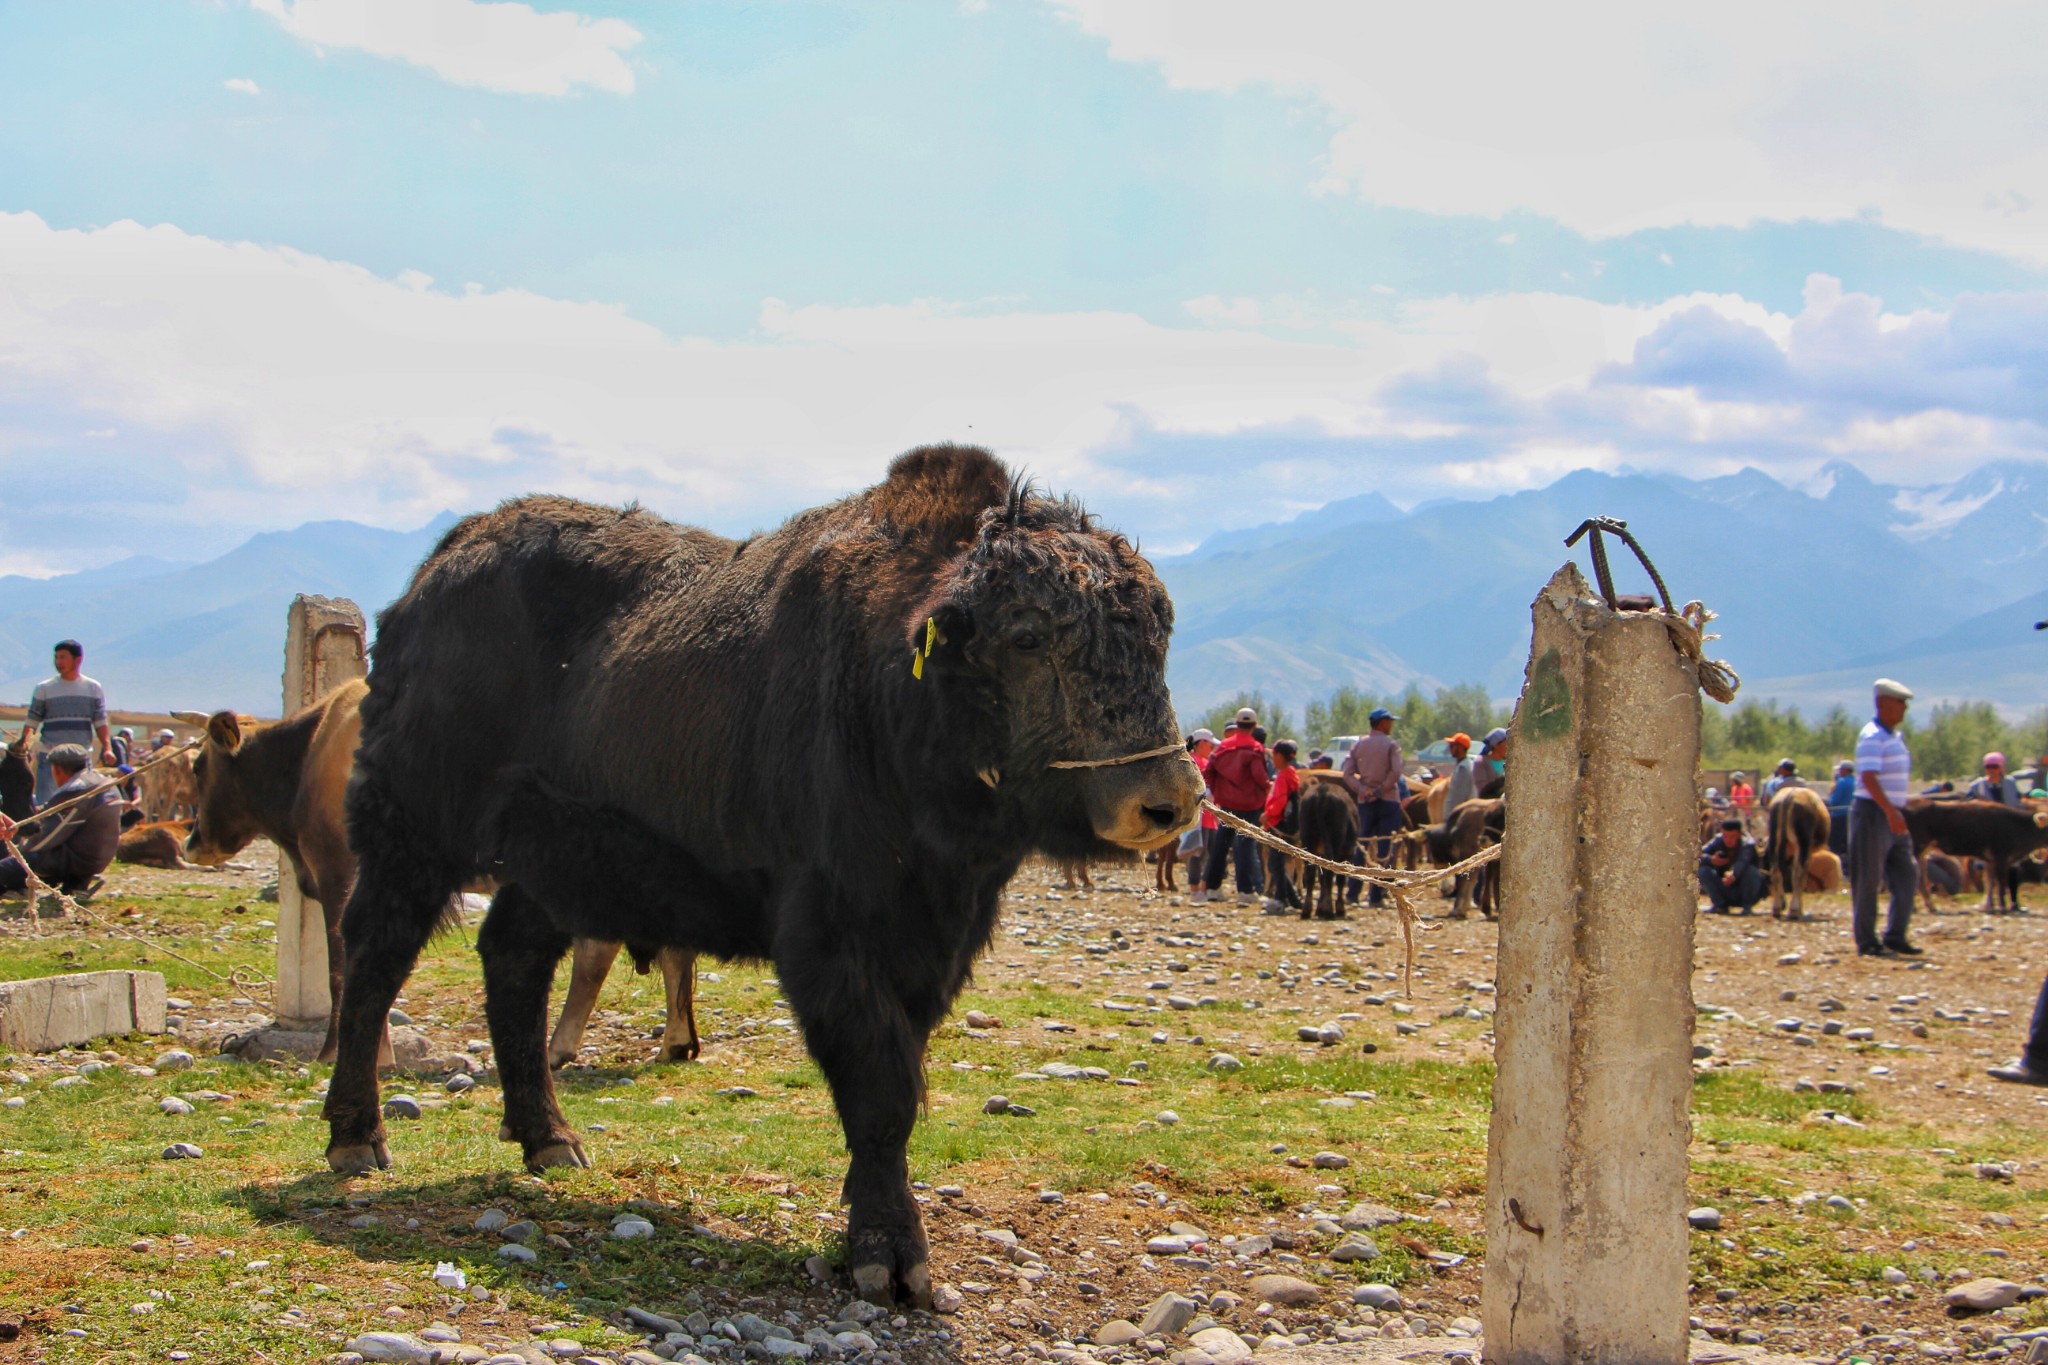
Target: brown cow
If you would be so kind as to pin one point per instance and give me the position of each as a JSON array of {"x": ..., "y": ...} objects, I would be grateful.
[
  {"x": 591, "y": 965},
  {"x": 1799, "y": 827},
  {"x": 1473, "y": 826},
  {"x": 285, "y": 781},
  {"x": 158, "y": 843},
  {"x": 1999, "y": 834}
]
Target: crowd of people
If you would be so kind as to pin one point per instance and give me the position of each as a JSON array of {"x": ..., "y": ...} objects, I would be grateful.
[
  {"x": 1260, "y": 783},
  {"x": 79, "y": 762}
]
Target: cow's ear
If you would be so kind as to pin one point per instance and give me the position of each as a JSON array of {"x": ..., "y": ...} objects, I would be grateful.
[{"x": 224, "y": 728}]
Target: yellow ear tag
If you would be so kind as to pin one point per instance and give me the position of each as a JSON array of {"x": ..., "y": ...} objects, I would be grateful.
[{"x": 917, "y": 656}]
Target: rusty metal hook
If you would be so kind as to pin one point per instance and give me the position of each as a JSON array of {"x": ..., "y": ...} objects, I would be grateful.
[{"x": 1602, "y": 574}]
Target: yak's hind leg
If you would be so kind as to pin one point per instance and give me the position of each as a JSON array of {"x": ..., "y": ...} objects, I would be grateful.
[
  {"x": 400, "y": 897},
  {"x": 592, "y": 964},
  {"x": 679, "y": 1041},
  {"x": 520, "y": 946}
]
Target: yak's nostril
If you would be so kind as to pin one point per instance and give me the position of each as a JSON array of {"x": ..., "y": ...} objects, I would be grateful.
[{"x": 1163, "y": 817}]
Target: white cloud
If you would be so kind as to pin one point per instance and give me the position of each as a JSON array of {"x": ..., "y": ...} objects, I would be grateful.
[
  {"x": 1614, "y": 116},
  {"x": 281, "y": 386},
  {"x": 242, "y": 85},
  {"x": 511, "y": 48}
]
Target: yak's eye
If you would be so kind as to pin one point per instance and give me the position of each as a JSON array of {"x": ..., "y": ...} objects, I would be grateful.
[{"x": 1024, "y": 641}]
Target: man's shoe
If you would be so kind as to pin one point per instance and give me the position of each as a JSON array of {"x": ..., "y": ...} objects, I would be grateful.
[
  {"x": 1271, "y": 904},
  {"x": 1875, "y": 950},
  {"x": 2018, "y": 1072},
  {"x": 1198, "y": 897},
  {"x": 1901, "y": 947}
]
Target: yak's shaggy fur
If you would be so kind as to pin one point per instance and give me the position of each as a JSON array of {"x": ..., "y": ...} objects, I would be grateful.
[{"x": 652, "y": 734}]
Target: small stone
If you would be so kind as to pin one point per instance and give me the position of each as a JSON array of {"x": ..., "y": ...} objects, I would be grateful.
[
  {"x": 783, "y": 1346},
  {"x": 1367, "y": 1217},
  {"x": 1705, "y": 1219},
  {"x": 1167, "y": 1314},
  {"x": 1117, "y": 1332},
  {"x": 1841, "y": 1203},
  {"x": 627, "y": 1229},
  {"x": 400, "y": 1018},
  {"x": 996, "y": 1104},
  {"x": 1983, "y": 1296},
  {"x": 1355, "y": 1248},
  {"x": 1283, "y": 1290},
  {"x": 947, "y": 1299},
  {"x": 184, "y": 1151},
  {"x": 1050, "y": 1197},
  {"x": 1221, "y": 1345},
  {"x": 440, "y": 1331},
  {"x": 1330, "y": 1161},
  {"x": 177, "y": 1059},
  {"x": 171, "y": 1104},
  {"x": 1891, "y": 1274},
  {"x": 655, "y": 1322},
  {"x": 977, "y": 1019},
  {"x": 1223, "y": 1061},
  {"x": 521, "y": 1231},
  {"x": 394, "y": 1346},
  {"x": 1383, "y": 1297},
  {"x": 1166, "y": 1118},
  {"x": 490, "y": 1220},
  {"x": 458, "y": 1083},
  {"x": 402, "y": 1107},
  {"x": 514, "y": 1251}
]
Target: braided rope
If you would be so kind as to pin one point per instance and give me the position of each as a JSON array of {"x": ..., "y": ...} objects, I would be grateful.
[{"x": 1177, "y": 747}]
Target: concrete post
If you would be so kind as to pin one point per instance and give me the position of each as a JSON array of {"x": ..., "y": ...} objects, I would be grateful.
[
  {"x": 1586, "y": 1157},
  {"x": 325, "y": 645}
]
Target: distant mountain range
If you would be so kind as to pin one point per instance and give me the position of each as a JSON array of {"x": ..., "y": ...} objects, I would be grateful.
[
  {"x": 162, "y": 635},
  {"x": 1819, "y": 587}
]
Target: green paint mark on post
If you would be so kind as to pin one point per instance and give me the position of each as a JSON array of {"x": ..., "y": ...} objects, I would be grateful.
[{"x": 1550, "y": 700}]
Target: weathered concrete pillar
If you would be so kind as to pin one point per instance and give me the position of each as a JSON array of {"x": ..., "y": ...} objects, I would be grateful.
[
  {"x": 1586, "y": 1157},
  {"x": 325, "y": 645}
]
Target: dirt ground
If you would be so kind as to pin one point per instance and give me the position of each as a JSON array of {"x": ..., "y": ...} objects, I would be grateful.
[{"x": 1796, "y": 1104}]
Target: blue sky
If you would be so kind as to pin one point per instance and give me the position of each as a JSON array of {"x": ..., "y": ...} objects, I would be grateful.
[{"x": 1204, "y": 263}]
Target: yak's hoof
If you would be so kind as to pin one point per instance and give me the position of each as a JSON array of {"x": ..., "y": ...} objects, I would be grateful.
[
  {"x": 875, "y": 1283},
  {"x": 557, "y": 1063},
  {"x": 569, "y": 1153},
  {"x": 678, "y": 1052},
  {"x": 359, "y": 1158}
]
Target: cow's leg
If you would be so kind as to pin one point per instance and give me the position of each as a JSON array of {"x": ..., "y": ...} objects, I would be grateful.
[
  {"x": 1994, "y": 882},
  {"x": 329, "y": 877},
  {"x": 679, "y": 1041},
  {"x": 869, "y": 1041},
  {"x": 591, "y": 965},
  {"x": 520, "y": 945},
  {"x": 401, "y": 892},
  {"x": 1797, "y": 876}
]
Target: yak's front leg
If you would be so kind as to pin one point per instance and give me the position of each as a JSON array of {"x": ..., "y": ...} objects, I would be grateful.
[{"x": 869, "y": 1042}]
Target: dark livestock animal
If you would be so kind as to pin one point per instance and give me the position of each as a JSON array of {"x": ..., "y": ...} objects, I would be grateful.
[
  {"x": 1999, "y": 834},
  {"x": 286, "y": 782},
  {"x": 888, "y": 679},
  {"x": 1798, "y": 829},
  {"x": 17, "y": 782},
  {"x": 1329, "y": 829},
  {"x": 1473, "y": 826}
]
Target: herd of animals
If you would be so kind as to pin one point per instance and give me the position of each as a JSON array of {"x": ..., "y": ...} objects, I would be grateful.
[{"x": 828, "y": 747}]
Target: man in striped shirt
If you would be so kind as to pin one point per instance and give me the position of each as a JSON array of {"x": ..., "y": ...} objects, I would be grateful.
[
  {"x": 67, "y": 709},
  {"x": 1880, "y": 849}
]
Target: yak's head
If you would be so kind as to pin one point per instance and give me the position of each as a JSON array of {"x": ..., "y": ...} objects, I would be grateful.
[{"x": 1057, "y": 629}]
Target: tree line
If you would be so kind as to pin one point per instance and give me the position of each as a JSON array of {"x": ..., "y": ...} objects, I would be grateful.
[{"x": 1948, "y": 740}]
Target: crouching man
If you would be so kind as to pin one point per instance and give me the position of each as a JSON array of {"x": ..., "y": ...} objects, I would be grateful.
[
  {"x": 71, "y": 848},
  {"x": 1730, "y": 876}
]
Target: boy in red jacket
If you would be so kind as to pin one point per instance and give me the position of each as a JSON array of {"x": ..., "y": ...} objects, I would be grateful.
[
  {"x": 1283, "y": 817},
  {"x": 1238, "y": 783}
]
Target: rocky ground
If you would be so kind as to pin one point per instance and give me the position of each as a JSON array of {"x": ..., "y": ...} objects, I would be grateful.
[{"x": 1165, "y": 1130}]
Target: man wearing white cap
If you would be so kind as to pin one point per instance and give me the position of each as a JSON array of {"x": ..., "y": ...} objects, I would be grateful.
[{"x": 1880, "y": 849}]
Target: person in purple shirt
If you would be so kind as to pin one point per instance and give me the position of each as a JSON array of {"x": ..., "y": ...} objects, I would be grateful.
[{"x": 1372, "y": 772}]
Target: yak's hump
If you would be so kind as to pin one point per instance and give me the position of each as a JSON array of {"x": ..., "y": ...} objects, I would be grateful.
[{"x": 941, "y": 490}]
